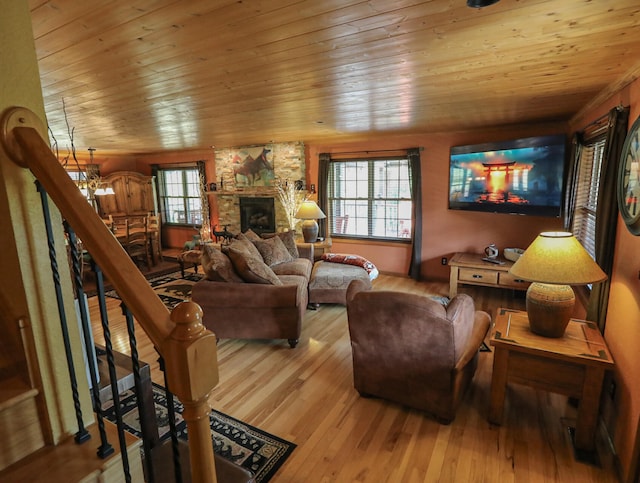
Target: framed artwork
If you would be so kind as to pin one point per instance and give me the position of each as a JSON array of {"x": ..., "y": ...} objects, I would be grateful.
[{"x": 248, "y": 167}]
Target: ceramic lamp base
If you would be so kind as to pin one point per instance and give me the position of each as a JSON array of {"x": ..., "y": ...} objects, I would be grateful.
[
  {"x": 549, "y": 308},
  {"x": 310, "y": 231}
]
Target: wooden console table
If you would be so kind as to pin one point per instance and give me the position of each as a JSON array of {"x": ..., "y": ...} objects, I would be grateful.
[
  {"x": 469, "y": 268},
  {"x": 573, "y": 365}
]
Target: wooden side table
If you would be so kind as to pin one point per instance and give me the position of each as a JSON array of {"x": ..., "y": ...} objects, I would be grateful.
[
  {"x": 573, "y": 365},
  {"x": 319, "y": 247},
  {"x": 469, "y": 268}
]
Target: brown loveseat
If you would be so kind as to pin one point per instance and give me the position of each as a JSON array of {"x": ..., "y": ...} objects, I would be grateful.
[
  {"x": 412, "y": 350},
  {"x": 256, "y": 289}
]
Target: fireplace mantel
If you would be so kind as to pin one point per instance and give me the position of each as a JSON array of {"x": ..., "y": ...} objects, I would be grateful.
[{"x": 261, "y": 191}]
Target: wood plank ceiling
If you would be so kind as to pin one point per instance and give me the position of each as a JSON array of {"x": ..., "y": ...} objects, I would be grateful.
[{"x": 154, "y": 75}]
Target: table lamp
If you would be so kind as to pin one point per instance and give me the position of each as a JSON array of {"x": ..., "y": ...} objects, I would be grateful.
[
  {"x": 553, "y": 262},
  {"x": 309, "y": 211}
]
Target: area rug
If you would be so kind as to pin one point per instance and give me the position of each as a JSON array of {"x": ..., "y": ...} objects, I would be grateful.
[
  {"x": 256, "y": 450},
  {"x": 164, "y": 267},
  {"x": 171, "y": 288}
]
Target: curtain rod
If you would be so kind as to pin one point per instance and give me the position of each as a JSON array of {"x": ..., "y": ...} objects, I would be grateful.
[
  {"x": 602, "y": 118},
  {"x": 375, "y": 151},
  {"x": 595, "y": 122}
]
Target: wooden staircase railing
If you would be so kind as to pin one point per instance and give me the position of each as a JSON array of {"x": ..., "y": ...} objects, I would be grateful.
[{"x": 180, "y": 338}]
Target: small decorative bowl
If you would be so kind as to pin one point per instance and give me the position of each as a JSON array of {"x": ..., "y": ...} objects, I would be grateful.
[{"x": 512, "y": 254}]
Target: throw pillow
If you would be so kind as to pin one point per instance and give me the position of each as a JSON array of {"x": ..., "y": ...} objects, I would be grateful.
[
  {"x": 273, "y": 251},
  {"x": 289, "y": 240},
  {"x": 252, "y": 268},
  {"x": 241, "y": 242},
  {"x": 350, "y": 259},
  {"x": 217, "y": 266},
  {"x": 252, "y": 235}
]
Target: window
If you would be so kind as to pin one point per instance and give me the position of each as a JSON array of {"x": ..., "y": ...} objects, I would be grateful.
[
  {"x": 180, "y": 196},
  {"x": 588, "y": 182},
  {"x": 80, "y": 179},
  {"x": 370, "y": 198}
]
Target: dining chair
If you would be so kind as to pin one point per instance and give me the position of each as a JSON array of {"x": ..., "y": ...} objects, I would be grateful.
[
  {"x": 153, "y": 228},
  {"x": 137, "y": 240}
]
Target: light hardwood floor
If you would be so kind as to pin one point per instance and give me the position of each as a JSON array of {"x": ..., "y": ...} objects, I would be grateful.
[{"x": 306, "y": 396}]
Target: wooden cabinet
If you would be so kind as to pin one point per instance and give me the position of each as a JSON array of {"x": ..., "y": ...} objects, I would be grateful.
[
  {"x": 135, "y": 194},
  {"x": 469, "y": 268}
]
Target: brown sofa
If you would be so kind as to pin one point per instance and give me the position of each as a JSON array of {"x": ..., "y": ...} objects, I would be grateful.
[
  {"x": 411, "y": 349},
  {"x": 242, "y": 299}
]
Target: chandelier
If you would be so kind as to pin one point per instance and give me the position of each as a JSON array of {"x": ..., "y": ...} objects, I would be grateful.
[{"x": 95, "y": 183}]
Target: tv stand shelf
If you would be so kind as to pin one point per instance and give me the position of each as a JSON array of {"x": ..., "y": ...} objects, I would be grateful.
[{"x": 469, "y": 268}]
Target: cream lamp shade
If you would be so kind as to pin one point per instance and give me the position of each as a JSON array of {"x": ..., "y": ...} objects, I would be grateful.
[
  {"x": 553, "y": 262},
  {"x": 309, "y": 211}
]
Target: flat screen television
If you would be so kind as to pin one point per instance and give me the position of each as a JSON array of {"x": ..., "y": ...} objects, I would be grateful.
[{"x": 521, "y": 176}]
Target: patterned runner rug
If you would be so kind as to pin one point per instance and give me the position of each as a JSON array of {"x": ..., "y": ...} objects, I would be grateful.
[{"x": 258, "y": 451}]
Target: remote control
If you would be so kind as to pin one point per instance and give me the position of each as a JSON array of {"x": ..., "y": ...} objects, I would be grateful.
[{"x": 493, "y": 260}]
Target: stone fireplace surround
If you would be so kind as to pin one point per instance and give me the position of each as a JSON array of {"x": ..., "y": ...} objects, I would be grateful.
[{"x": 288, "y": 160}]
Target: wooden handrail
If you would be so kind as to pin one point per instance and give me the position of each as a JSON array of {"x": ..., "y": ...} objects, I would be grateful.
[
  {"x": 185, "y": 345},
  {"x": 114, "y": 261}
]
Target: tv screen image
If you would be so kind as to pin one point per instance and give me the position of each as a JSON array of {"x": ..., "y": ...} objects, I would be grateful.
[{"x": 521, "y": 176}]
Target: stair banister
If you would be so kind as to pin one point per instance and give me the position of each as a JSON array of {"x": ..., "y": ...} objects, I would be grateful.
[
  {"x": 116, "y": 264},
  {"x": 188, "y": 371},
  {"x": 189, "y": 350}
]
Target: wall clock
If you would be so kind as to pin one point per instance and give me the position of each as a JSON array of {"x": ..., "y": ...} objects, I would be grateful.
[{"x": 629, "y": 180}]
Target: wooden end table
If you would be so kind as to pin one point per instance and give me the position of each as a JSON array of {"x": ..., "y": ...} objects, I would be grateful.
[
  {"x": 319, "y": 247},
  {"x": 471, "y": 269},
  {"x": 573, "y": 365}
]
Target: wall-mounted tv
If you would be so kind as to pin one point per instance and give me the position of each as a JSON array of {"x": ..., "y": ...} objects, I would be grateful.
[{"x": 521, "y": 176}]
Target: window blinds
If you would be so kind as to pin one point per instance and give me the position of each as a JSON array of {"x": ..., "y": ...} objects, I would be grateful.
[{"x": 584, "y": 223}]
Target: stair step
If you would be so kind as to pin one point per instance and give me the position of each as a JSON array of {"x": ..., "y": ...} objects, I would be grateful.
[
  {"x": 14, "y": 390},
  {"x": 71, "y": 462},
  {"x": 19, "y": 421}
]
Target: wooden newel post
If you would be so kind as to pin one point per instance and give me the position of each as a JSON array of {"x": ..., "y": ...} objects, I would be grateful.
[{"x": 191, "y": 366}]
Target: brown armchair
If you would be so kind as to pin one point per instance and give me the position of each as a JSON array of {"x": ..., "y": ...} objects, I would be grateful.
[{"x": 412, "y": 350}]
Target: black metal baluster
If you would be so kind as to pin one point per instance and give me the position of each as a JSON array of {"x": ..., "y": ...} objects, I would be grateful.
[
  {"x": 135, "y": 363},
  {"x": 113, "y": 377},
  {"x": 172, "y": 425},
  {"x": 82, "y": 435},
  {"x": 105, "y": 449}
]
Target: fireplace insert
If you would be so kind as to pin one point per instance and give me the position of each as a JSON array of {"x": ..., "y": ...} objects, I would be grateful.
[{"x": 257, "y": 214}]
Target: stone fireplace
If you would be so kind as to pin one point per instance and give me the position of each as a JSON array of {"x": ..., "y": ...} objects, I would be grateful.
[
  {"x": 288, "y": 161},
  {"x": 257, "y": 214}
]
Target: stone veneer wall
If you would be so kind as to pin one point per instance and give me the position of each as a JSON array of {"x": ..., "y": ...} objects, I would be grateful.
[{"x": 288, "y": 163}]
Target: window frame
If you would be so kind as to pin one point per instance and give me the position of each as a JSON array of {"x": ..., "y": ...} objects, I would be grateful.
[
  {"x": 587, "y": 186},
  {"x": 163, "y": 197},
  {"x": 79, "y": 177},
  {"x": 371, "y": 203}
]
